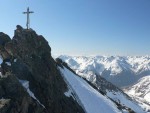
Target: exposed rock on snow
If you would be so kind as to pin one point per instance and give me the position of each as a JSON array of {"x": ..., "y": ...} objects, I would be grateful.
[
  {"x": 141, "y": 92},
  {"x": 141, "y": 89}
]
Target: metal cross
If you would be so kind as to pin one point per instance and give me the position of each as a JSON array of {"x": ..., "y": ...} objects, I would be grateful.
[{"x": 28, "y": 19}]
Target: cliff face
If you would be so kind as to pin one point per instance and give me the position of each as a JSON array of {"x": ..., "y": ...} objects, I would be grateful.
[{"x": 29, "y": 58}]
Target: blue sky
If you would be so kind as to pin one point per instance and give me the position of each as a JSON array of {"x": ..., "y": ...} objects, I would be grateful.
[{"x": 84, "y": 27}]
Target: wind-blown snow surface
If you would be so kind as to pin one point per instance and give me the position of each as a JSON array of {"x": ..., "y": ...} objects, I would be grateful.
[
  {"x": 121, "y": 71},
  {"x": 91, "y": 100}
]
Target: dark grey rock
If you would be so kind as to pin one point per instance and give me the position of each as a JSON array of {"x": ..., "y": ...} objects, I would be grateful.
[
  {"x": 4, "y": 38},
  {"x": 35, "y": 64},
  {"x": 15, "y": 99}
]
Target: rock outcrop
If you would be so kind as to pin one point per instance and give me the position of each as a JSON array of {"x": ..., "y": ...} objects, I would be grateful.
[
  {"x": 4, "y": 38},
  {"x": 29, "y": 58},
  {"x": 15, "y": 99}
]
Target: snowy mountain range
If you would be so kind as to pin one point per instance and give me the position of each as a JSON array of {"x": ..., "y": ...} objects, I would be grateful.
[{"x": 120, "y": 70}]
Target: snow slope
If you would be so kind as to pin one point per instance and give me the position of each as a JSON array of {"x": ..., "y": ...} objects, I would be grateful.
[
  {"x": 90, "y": 99},
  {"x": 120, "y": 70}
]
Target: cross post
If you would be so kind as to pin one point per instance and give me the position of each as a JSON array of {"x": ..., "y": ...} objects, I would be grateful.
[{"x": 28, "y": 18}]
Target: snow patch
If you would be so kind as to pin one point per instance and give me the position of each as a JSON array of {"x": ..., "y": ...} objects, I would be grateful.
[
  {"x": 1, "y": 59},
  {"x": 147, "y": 97},
  {"x": 25, "y": 84},
  {"x": 68, "y": 93},
  {"x": 15, "y": 60},
  {"x": 3, "y": 102},
  {"x": 8, "y": 63}
]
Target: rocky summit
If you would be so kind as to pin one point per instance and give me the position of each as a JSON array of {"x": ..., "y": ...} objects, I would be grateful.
[{"x": 30, "y": 81}]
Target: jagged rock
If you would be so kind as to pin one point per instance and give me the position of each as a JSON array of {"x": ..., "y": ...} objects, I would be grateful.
[
  {"x": 4, "y": 38},
  {"x": 19, "y": 28},
  {"x": 33, "y": 62},
  {"x": 5, "y": 69}
]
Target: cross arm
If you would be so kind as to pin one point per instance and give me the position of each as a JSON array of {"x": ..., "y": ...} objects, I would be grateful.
[
  {"x": 31, "y": 12},
  {"x": 24, "y": 12}
]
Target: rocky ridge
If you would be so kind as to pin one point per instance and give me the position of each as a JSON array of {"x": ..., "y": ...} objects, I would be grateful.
[{"x": 27, "y": 57}]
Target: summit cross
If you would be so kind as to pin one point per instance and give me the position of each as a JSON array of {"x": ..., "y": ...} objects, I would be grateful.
[{"x": 28, "y": 19}]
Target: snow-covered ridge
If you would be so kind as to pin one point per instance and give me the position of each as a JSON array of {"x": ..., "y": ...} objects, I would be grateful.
[{"x": 92, "y": 101}]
